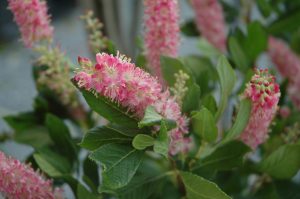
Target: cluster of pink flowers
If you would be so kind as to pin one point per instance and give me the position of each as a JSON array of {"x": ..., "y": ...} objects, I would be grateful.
[
  {"x": 288, "y": 64},
  {"x": 162, "y": 36},
  {"x": 210, "y": 22},
  {"x": 32, "y": 19},
  {"x": 264, "y": 94},
  {"x": 131, "y": 87},
  {"x": 19, "y": 181}
]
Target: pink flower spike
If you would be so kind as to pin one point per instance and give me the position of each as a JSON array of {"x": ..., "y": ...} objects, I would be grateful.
[
  {"x": 264, "y": 94},
  {"x": 121, "y": 81},
  {"x": 32, "y": 19},
  {"x": 287, "y": 62},
  {"x": 162, "y": 35},
  {"x": 210, "y": 22},
  {"x": 19, "y": 181}
]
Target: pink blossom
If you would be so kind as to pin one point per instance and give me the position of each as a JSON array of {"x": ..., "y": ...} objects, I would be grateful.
[
  {"x": 264, "y": 94},
  {"x": 162, "y": 35},
  {"x": 131, "y": 87},
  {"x": 19, "y": 181},
  {"x": 284, "y": 58},
  {"x": 32, "y": 19},
  {"x": 210, "y": 22},
  {"x": 288, "y": 64}
]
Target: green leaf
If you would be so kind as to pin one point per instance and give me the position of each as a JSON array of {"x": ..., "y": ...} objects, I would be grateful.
[
  {"x": 170, "y": 66},
  {"x": 102, "y": 135},
  {"x": 120, "y": 163},
  {"x": 289, "y": 22},
  {"x": 241, "y": 121},
  {"x": 204, "y": 125},
  {"x": 207, "y": 50},
  {"x": 227, "y": 81},
  {"x": 83, "y": 193},
  {"x": 210, "y": 103},
  {"x": 256, "y": 41},
  {"x": 161, "y": 144},
  {"x": 36, "y": 137},
  {"x": 191, "y": 99},
  {"x": 90, "y": 169},
  {"x": 52, "y": 163},
  {"x": 264, "y": 7},
  {"x": 283, "y": 163},
  {"x": 152, "y": 118},
  {"x": 190, "y": 29},
  {"x": 203, "y": 72},
  {"x": 238, "y": 55},
  {"x": 110, "y": 110},
  {"x": 200, "y": 188},
  {"x": 22, "y": 121},
  {"x": 142, "y": 141},
  {"x": 224, "y": 157},
  {"x": 61, "y": 137}
]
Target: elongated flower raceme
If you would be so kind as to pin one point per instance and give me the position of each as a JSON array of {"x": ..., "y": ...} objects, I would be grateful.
[
  {"x": 264, "y": 94},
  {"x": 19, "y": 181},
  {"x": 121, "y": 81},
  {"x": 288, "y": 64},
  {"x": 210, "y": 22},
  {"x": 32, "y": 19},
  {"x": 162, "y": 36}
]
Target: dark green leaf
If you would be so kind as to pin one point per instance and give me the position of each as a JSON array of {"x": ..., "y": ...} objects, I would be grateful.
[
  {"x": 119, "y": 162},
  {"x": 210, "y": 103},
  {"x": 227, "y": 81},
  {"x": 200, "y": 188},
  {"x": 289, "y": 22},
  {"x": 265, "y": 7},
  {"x": 52, "y": 163},
  {"x": 61, "y": 137},
  {"x": 22, "y": 121},
  {"x": 238, "y": 55},
  {"x": 90, "y": 169},
  {"x": 36, "y": 137},
  {"x": 110, "y": 110},
  {"x": 283, "y": 163},
  {"x": 256, "y": 42},
  {"x": 241, "y": 121},
  {"x": 190, "y": 29},
  {"x": 83, "y": 193},
  {"x": 204, "y": 125},
  {"x": 142, "y": 141},
  {"x": 102, "y": 135},
  {"x": 224, "y": 157}
]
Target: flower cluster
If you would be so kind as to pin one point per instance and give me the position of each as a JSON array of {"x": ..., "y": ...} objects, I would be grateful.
[
  {"x": 97, "y": 40},
  {"x": 179, "y": 89},
  {"x": 31, "y": 16},
  {"x": 131, "y": 87},
  {"x": 56, "y": 75},
  {"x": 210, "y": 22},
  {"x": 288, "y": 64},
  {"x": 264, "y": 94},
  {"x": 19, "y": 181},
  {"x": 162, "y": 37}
]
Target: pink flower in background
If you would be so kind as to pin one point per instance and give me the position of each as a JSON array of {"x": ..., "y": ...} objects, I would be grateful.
[
  {"x": 264, "y": 94},
  {"x": 162, "y": 36},
  {"x": 286, "y": 61},
  {"x": 288, "y": 64},
  {"x": 210, "y": 22},
  {"x": 131, "y": 87},
  {"x": 19, "y": 181},
  {"x": 32, "y": 19}
]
